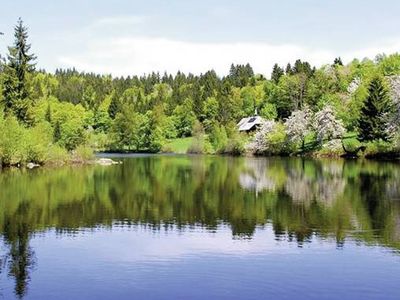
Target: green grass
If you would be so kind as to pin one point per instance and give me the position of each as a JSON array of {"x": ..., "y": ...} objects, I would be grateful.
[{"x": 180, "y": 145}]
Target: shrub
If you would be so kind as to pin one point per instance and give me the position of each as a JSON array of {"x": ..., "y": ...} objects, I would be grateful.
[
  {"x": 200, "y": 144},
  {"x": 378, "y": 148},
  {"x": 82, "y": 153},
  {"x": 56, "y": 155},
  {"x": 12, "y": 142},
  {"x": 218, "y": 138}
]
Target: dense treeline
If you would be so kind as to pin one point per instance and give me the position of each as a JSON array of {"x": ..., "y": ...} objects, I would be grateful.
[{"x": 46, "y": 115}]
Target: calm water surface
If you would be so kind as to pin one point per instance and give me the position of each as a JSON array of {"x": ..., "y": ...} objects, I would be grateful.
[{"x": 193, "y": 227}]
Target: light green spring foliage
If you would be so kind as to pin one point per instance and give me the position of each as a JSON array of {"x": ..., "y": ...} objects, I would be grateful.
[
  {"x": 143, "y": 113},
  {"x": 218, "y": 138},
  {"x": 20, "y": 145}
]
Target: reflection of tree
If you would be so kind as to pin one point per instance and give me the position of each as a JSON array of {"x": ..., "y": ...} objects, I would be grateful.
[
  {"x": 299, "y": 197},
  {"x": 21, "y": 257},
  {"x": 304, "y": 181}
]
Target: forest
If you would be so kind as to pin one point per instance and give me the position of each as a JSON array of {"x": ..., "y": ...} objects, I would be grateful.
[{"x": 335, "y": 110}]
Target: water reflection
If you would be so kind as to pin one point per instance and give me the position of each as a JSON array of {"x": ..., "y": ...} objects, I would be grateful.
[{"x": 301, "y": 199}]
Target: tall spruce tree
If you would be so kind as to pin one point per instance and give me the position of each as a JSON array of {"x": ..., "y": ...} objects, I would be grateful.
[
  {"x": 113, "y": 109},
  {"x": 338, "y": 61},
  {"x": 289, "y": 70},
  {"x": 277, "y": 73},
  {"x": 375, "y": 113},
  {"x": 19, "y": 64}
]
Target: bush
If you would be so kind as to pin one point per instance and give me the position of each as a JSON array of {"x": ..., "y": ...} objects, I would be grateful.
[
  {"x": 56, "y": 155},
  {"x": 82, "y": 154},
  {"x": 235, "y": 146},
  {"x": 218, "y": 138},
  {"x": 12, "y": 142},
  {"x": 378, "y": 148},
  {"x": 37, "y": 141},
  {"x": 277, "y": 140},
  {"x": 200, "y": 144}
]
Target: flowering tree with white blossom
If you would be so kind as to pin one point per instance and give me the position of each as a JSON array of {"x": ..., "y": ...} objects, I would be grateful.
[
  {"x": 327, "y": 126},
  {"x": 260, "y": 142},
  {"x": 298, "y": 125}
]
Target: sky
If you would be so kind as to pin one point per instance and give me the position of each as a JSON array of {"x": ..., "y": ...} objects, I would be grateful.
[{"x": 130, "y": 37}]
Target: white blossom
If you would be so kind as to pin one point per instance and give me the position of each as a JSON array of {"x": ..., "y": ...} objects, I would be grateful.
[
  {"x": 298, "y": 125},
  {"x": 327, "y": 126},
  {"x": 353, "y": 86},
  {"x": 260, "y": 142},
  {"x": 394, "y": 119}
]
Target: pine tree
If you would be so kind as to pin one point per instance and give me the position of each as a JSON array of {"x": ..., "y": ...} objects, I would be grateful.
[
  {"x": 289, "y": 70},
  {"x": 375, "y": 113},
  {"x": 57, "y": 132},
  {"x": 114, "y": 106},
  {"x": 338, "y": 61},
  {"x": 277, "y": 73},
  {"x": 47, "y": 116},
  {"x": 20, "y": 63}
]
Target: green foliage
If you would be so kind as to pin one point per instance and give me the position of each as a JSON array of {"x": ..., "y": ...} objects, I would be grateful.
[
  {"x": 278, "y": 140},
  {"x": 378, "y": 147},
  {"x": 19, "y": 64},
  {"x": 141, "y": 113},
  {"x": 199, "y": 143},
  {"x": 269, "y": 112},
  {"x": 128, "y": 130},
  {"x": 180, "y": 145},
  {"x": 236, "y": 141},
  {"x": 218, "y": 138},
  {"x": 82, "y": 153},
  {"x": 277, "y": 73},
  {"x": 184, "y": 118},
  {"x": 375, "y": 113},
  {"x": 47, "y": 116},
  {"x": 20, "y": 145},
  {"x": 390, "y": 65}
]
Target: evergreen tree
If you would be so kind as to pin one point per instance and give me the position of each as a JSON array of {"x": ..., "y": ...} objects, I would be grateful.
[
  {"x": 338, "y": 61},
  {"x": 374, "y": 116},
  {"x": 57, "y": 132},
  {"x": 289, "y": 70},
  {"x": 20, "y": 64},
  {"x": 277, "y": 73},
  {"x": 47, "y": 116},
  {"x": 114, "y": 106}
]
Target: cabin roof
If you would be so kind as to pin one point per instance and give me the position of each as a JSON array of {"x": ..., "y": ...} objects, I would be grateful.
[{"x": 248, "y": 123}]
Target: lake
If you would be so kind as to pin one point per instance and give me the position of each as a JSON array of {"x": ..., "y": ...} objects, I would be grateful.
[{"x": 202, "y": 227}]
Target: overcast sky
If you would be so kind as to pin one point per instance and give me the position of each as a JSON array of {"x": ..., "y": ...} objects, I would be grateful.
[{"x": 125, "y": 37}]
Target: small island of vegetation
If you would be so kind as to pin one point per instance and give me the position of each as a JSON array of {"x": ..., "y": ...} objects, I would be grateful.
[{"x": 336, "y": 110}]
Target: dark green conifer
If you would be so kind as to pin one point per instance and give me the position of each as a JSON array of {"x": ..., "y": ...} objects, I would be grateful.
[
  {"x": 19, "y": 64},
  {"x": 47, "y": 116},
  {"x": 277, "y": 73},
  {"x": 375, "y": 113},
  {"x": 57, "y": 132},
  {"x": 114, "y": 106}
]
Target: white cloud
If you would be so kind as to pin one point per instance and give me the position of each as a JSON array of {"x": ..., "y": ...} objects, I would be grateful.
[
  {"x": 138, "y": 55},
  {"x": 119, "y": 20}
]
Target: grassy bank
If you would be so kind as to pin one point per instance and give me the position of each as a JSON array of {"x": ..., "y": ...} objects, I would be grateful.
[{"x": 180, "y": 145}]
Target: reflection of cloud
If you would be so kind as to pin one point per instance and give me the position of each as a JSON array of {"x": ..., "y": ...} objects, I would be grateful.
[{"x": 139, "y": 244}]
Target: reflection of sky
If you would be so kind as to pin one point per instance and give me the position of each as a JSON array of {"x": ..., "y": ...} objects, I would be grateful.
[{"x": 139, "y": 263}]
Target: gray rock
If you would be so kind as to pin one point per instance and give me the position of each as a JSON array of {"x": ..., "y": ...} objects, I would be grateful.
[
  {"x": 32, "y": 165},
  {"x": 107, "y": 162}
]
